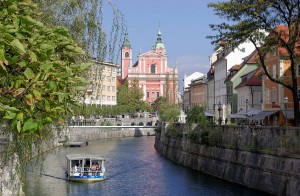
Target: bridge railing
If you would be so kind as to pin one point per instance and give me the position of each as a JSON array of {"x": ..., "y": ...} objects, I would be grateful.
[{"x": 146, "y": 121}]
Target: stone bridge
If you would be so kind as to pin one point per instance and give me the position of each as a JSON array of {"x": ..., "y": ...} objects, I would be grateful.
[
  {"x": 137, "y": 119},
  {"x": 88, "y": 133}
]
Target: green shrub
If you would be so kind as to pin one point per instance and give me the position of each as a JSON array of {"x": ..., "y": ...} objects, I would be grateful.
[
  {"x": 106, "y": 123},
  {"x": 193, "y": 136},
  {"x": 157, "y": 130},
  {"x": 205, "y": 137},
  {"x": 214, "y": 137}
]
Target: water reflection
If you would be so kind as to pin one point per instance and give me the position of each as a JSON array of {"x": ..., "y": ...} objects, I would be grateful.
[{"x": 133, "y": 167}]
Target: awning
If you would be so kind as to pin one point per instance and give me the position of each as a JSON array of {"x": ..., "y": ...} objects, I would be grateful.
[
  {"x": 253, "y": 111},
  {"x": 263, "y": 114},
  {"x": 237, "y": 115},
  {"x": 208, "y": 114},
  {"x": 289, "y": 113},
  {"x": 250, "y": 112}
]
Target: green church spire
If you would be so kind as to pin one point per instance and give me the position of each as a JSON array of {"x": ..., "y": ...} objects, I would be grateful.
[
  {"x": 126, "y": 43},
  {"x": 159, "y": 42}
]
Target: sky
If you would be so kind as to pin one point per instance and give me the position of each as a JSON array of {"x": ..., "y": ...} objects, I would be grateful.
[{"x": 184, "y": 26}]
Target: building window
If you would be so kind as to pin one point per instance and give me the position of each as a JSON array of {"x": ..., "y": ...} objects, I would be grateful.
[
  {"x": 113, "y": 89},
  {"x": 113, "y": 98},
  {"x": 148, "y": 95},
  {"x": 152, "y": 68},
  {"x": 152, "y": 94},
  {"x": 298, "y": 69},
  {"x": 127, "y": 54},
  {"x": 108, "y": 98},
  {"x": 103, "y": 87},
  {"x": 103, "y": 97},
  {"x": 274, "y": 71},
  {"x": 274, "y": 96},
  {"x": 268, "y": 70},
  {"x": 268, "y": 96},
  {"x": 157, "y": 94},
  {"x": 260, "y": 98},
  {"x": 108, "y": 88}
]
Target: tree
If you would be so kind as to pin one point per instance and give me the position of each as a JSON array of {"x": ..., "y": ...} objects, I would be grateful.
[
  {"x": 123, "y": 94},
  {"x": 167, "y": 111},
  {"x": 129, "y": 97},
  {"x": 101, "y": 39},
  {"x": 136, "y": 95},
  {"x": 197, "y": 115},
  {"x": 39, "y": 77},
  {"x": 257, "y": 21},
  {"x": 84, "y": 20}
]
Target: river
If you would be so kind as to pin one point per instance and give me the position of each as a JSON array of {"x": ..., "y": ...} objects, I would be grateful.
[{"x": 133, "y": 167}]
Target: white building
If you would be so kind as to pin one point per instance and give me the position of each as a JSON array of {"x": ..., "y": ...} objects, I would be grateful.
[
  {"x": 225, "y": 60},
  {"x": 188, "y": 79},
  {"x": 250, "y": 94},
  {"x": 102, "y": 89}
]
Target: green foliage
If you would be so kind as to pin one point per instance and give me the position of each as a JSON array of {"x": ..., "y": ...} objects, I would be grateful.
[
  {"x": 204, "y": 137},
  {"x": 157, "y": 130},
  {"x": 257, "y": 21},
  {"x": 105, "y": 123},
  {"x": 173, "y": 132},
  {"x": 39, "y": 76},
  {"x": 168, "y": 112},
  {"x": 214, "y": 137},
  {"x": 193, "y": 136},
  {"x": 196, "y": 115},
  {"x": 85, "y": 21},
  {"x": 129, "y": 98}
]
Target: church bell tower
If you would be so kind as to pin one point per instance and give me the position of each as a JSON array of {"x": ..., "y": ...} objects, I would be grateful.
[{"x": 126, "y": 58}]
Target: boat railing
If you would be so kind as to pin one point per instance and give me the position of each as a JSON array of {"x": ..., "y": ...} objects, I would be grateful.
[{"x": 86, "y": 171}]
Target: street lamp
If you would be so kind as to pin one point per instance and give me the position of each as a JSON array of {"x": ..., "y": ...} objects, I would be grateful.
[
  {"x": 219, "y": 109},
  {"x": 286, "y": 100},
  {"x": 247, "y": 111}
]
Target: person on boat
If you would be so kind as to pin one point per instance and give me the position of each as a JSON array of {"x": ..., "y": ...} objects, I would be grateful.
[
  {"x": 98, "y": 168},
  {"x": 93, "y": 169},
  {"x": 77, "y": 167}
]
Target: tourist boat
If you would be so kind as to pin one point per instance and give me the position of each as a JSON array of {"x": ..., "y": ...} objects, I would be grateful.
[{"x": 85, "y": 168}]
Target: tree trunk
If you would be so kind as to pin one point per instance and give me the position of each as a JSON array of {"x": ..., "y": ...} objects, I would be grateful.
[{"x": 296, "y": 103}]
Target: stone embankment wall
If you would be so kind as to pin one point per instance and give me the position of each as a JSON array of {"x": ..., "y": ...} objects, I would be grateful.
[
  {"x": 87, "y": 133},
  {"x": 10, "y": 183},
  {"x": 263, "y": 158}
]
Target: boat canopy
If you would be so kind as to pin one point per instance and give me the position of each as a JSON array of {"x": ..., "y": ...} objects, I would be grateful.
[{"x": 83, "y": 156}]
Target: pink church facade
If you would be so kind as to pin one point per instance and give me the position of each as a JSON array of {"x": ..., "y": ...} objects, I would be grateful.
[{"x": 156, "y": 78}]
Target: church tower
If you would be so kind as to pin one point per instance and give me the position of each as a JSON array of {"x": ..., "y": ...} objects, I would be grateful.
[{"x": 126, "y": 57}]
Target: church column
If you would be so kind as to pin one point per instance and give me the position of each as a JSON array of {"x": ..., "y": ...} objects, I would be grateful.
[{"x": 145, "y": 92}]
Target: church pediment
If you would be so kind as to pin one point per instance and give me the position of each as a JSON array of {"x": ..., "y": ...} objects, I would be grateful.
[{"x": 152, "y": 54}]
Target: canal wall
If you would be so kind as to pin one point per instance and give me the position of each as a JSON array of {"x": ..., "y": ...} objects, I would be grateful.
[
  {"x": 10, "y": 181},
  {"x": 263, "y": 158}
]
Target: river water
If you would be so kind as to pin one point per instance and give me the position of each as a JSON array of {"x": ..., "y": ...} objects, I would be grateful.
[{"x": 133, "y": 167}]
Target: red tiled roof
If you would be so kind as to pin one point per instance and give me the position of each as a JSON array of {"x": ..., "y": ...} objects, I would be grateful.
[
  {"x": 235, "y": 68},
  {"x": 254, "y": 80},
  {"x": 259, "y": 71},
  {"x": 284, "y": 33}
]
